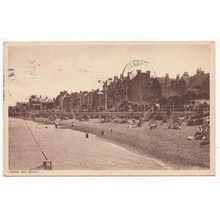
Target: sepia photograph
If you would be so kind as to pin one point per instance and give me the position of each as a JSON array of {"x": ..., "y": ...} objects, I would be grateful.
[{"x": 109, "y": 108}]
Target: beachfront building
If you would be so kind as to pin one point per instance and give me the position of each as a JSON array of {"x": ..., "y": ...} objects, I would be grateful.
[
  {"x": 35, "y": 103},
  {"x": 84, "y": 101},
  {"x": 66, "y": 103},
  {"x": 163, "y": 87},
  {"x": 199, "y": 84},
  {"x": 73, "y": 101},
  {"x": 12, "y": 110},
  {"x": 117, "y": 90},
  {"x": 21, "y": 107},
  {"x": 39, "y": 103},
  {"x": 133, "y": 88},
  {"x": 47, "y": 104},
  {"x": 137, "y": 90},
  {"x": 98, "y": 101},
  {"x": 140, "y": 88},
  {"x": 59, "y": 105},
  {"x": 95, "y": 101}
]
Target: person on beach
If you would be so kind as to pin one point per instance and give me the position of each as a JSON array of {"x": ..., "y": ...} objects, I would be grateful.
[
  {"x": 56, "y": 124},
  {"x": 199, "y": 134},
  {"x": 176, "y": 123},
  {"x": 168, "y": 114},
  {"x": 139, "y": 124},
  {"x": 207, "y": 136}
]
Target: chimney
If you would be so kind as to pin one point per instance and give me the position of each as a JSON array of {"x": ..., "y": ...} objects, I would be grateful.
[
  {"x": 200, "y": 71},
  {"x": 167, "y": 79},
  {"x": 139, "y": 71},
  {"x": 185, "y": 74}
]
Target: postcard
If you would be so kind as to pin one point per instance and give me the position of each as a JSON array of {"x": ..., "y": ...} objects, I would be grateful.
[{"x": 109, "y": 108}]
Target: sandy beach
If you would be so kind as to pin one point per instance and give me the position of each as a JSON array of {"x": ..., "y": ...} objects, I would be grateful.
[
  {"x": 70, "y": 150},
  {"x": 167, "y": 145}
]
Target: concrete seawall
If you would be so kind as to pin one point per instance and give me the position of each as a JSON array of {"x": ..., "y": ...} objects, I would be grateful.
[{"x": 97, "y": 114}]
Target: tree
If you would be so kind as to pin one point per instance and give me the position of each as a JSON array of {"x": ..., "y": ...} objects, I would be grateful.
[
  {"x": 163, "y": 101},
  {"x": 176, "y": 100},
  {"x": 189, "y": 95}
]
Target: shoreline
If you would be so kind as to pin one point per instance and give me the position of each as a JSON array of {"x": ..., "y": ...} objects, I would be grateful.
[{"x": 142, "y": 140}]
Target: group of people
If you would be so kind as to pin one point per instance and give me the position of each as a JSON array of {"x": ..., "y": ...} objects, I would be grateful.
[
  {"x": 202, "y": 133},
  {"x": 174, "y": 123},
  {"x": 199, "y": 106}
]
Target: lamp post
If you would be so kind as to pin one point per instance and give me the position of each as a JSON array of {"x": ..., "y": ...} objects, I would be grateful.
[{"x": 106, "y": 97}]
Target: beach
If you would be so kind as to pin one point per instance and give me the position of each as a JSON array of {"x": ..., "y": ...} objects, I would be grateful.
[
  {"x": 70, "y": 150},
  {"x": 167, "y": 145}
]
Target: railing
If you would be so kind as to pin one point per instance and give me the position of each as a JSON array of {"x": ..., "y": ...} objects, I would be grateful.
[{"x": 161, "y": 110}]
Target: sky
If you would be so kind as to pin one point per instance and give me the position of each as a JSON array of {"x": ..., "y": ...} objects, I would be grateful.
[{"x": 47, "y": 69}]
